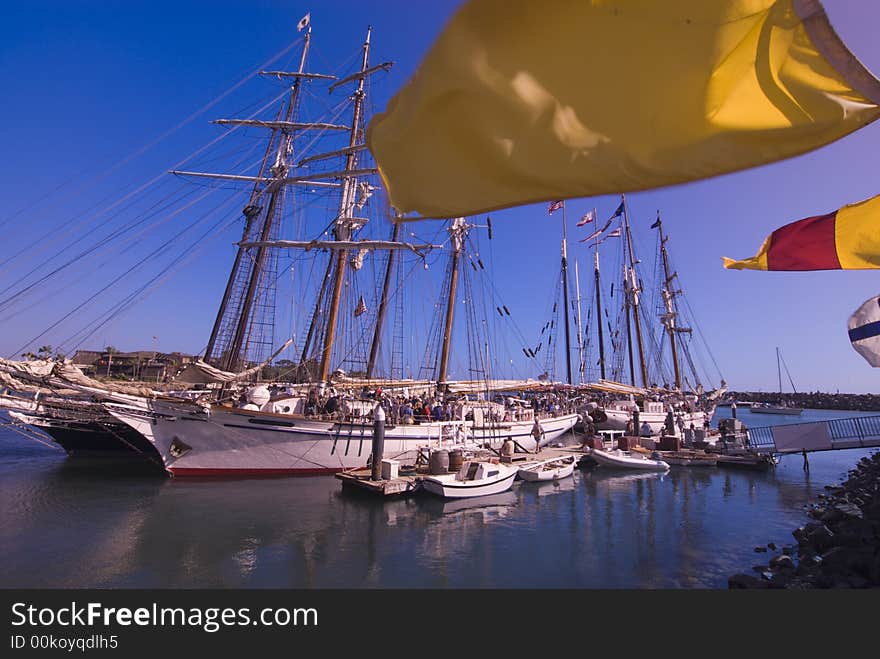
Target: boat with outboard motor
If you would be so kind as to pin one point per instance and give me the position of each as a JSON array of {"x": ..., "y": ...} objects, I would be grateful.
[{"x": 620, "y": 459}]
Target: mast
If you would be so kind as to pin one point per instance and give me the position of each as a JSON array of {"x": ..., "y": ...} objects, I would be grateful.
[
  {"x": 383, "y": 303},
  {"x": 314, "y": 322},
  {"x": 565, "y": 298},
  {"x": 344, "y": 223},
  {"x": 599, "y": 315},
  {"x": 668, "y": 295},
  {"x": 251, "y": 213},
  {"x": 635, "y": 292},
  {"x": 627, "y": 302},
  {"x": 457, "y": 232},
  {"x": 577, "y": 292},
  {"x": 278, "y": 170},
  {"x": 778, "y": 370}
]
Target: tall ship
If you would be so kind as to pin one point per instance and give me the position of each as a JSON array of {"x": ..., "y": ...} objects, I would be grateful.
[
  {"x": 648, "y": 371},
  {"x": 314, "y": 413}
]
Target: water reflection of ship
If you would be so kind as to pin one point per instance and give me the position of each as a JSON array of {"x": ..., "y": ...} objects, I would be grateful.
[{"x": 64, "y": 527}]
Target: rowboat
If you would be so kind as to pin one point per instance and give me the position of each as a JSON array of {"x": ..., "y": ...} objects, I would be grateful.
[
  {"x": 474, "y": 479},
  {"x": 552, "y": 469},
  {"x": 620, "y": 459}
]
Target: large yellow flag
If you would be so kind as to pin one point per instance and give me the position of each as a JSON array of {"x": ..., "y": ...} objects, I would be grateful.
[{"x": 521, "y": 101}]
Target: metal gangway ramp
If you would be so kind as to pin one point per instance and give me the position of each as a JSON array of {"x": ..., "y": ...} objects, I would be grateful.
[{"x": 830, "y": 435}]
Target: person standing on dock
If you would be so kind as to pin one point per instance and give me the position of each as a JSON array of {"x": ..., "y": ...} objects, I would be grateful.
[
  {"x": 589, "y": 432},
  {"x": 538, "y": 434}
]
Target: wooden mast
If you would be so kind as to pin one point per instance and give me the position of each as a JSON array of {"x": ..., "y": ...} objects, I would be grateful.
[
  {"x": 383, "y": 304},
  {"x": 580, "y": 341},
  {"x": 565, "y": 298},
  {"x": 457, "y": 232},
  {"x": 343, "y": 230},
  {"x": 278, "y": 171},
  {"x": 599, "y": 315},
  {"x": 668, "y": 295},
  {"x": 251, "y": 212},
  {"x": 635, "y": 292},
  {"x": 629, "y": 343},
  {"x": 314, "y": 322}
]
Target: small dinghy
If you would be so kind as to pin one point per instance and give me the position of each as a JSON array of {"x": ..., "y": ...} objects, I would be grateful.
[
  {"x": 548, "y": 470},
  {"x": 474, "y": 479},
  {"x": 627, "y": 460}
]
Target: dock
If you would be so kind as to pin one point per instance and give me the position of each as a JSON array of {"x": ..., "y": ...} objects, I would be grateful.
[
  {"x": 405, "y": 484},
  {"x": 362, "y": 478}
]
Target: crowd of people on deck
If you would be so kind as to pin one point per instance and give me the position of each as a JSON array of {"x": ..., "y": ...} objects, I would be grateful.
[{"x": 425, "y": 408}]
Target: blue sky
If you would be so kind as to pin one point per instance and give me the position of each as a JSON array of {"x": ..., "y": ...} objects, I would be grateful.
[{"x": 87, "y": 83}]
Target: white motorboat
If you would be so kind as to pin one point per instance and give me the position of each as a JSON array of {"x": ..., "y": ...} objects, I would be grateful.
[
  {"x": 627, "y": 460},
  {"x": 552, "y": 469},
  {"x": 766, "y": 408},
  {"x": 474, "y": 479}
]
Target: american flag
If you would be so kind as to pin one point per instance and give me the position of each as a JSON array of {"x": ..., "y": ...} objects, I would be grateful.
[
  {"x": 361, "y": 307},
  {"x": 555, "y": 206}
]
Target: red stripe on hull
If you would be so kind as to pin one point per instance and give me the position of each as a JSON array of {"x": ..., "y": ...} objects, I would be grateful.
[
  {"x": 215, "y": 473},
  {"x": 807, "y": 244}
]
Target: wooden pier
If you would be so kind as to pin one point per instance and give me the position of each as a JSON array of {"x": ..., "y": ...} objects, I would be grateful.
[{"x": 404, "y": 484}]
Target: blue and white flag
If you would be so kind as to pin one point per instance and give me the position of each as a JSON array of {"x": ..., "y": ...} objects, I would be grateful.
[{"x": 864, "y": 330}]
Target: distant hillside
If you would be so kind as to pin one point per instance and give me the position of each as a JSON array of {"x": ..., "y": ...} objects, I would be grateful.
[{"x": 814, "y": 400}]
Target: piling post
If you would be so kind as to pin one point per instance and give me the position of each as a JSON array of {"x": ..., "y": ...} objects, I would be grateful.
[
  {"x": 378, "y": 441},
  {"x": 733, "y": 410}
]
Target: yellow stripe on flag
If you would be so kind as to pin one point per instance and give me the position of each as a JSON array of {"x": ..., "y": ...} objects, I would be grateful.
[
  {"x": 521, "y": 101},
  {"x": 757, "y": 262},
  {"x": 857, "y": 235}
]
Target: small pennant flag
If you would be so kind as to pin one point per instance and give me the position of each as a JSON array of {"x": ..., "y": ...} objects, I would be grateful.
[
  {"x": 589, "y": 216},
  {"x": 303, "y": 22},
  {"x": 596, "y": 233},
  {"x": 361, "y": 307},
  {"x": 618, "y": 212},
  {"x": 554, "y": 206},
  {"x": 864, "y": 330},
  {"x": 656, "y": 222},
  {"x": 847, "y": 239},
  {"x": 613, "y": 234}
]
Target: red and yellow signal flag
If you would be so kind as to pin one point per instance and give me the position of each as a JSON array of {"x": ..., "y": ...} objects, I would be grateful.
[{"x": 847, "y": 239}]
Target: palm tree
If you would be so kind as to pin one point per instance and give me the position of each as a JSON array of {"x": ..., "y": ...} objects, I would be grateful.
[{"x": 110, "y": 350}]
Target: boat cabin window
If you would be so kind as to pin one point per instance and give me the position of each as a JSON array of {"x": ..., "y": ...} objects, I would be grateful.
[{"x": 472, "y": 471}]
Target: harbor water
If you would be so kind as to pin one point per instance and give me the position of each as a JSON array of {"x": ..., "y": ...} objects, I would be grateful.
[{"x": 97, "y": 523}]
